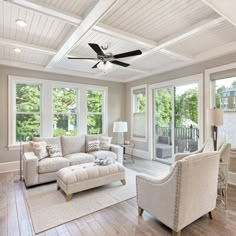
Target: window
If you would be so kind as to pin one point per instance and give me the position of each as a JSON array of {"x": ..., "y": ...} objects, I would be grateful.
[
  {"x": 64, "y": 111},
  {"x": 27, "y": 116},
  {"x": 139, "y": 116},
  {"x": 94, "y": 112},
  {"x": 46, "y": 108}
]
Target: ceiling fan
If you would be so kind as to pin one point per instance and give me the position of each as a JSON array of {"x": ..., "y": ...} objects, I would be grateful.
[{"x": 104, "y": 59}]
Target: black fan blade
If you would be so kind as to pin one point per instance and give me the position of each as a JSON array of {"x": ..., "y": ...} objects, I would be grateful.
[
  {"x": 97, "y": 49},
  {"x": 96, "y": 65},
  {"x": 82, "y": 58},
  {"x": 120, "y": 63},
  {"x": 128, "y": 54}
]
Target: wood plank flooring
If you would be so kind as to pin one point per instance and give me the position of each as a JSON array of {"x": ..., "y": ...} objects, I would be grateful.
[{"x": 121, "y": 219}]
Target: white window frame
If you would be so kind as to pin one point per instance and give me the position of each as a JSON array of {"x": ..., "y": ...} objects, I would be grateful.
[
  {"x": 197, "y": 78},
  {"x": 210, "y": 91},
  {"x": 46, "y": 111},
  {"x": 97, "y": 113},
  {"x": 77, "y": 113},
  {"x": 144, "y": 86}
]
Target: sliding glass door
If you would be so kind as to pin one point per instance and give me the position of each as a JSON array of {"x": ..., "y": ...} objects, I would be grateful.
[{"x": 176, "y": 120}]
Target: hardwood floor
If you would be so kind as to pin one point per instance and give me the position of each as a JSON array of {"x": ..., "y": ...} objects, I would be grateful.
[{"x": 121, "y": 219}]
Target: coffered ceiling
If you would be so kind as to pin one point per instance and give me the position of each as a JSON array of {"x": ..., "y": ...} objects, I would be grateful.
[{"x": 170, "y": 34}]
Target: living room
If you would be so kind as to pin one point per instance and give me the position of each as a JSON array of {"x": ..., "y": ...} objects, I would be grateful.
[{"x": 118, "y": 117}]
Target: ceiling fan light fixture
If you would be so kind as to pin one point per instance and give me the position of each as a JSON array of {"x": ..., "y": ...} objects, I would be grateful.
[
  {"x": 104, "y": 66},
  {"x": 21, "y": 23}
]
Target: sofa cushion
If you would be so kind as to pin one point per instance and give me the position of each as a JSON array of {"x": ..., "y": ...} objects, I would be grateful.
[
  {"x": 72, "y": 144},
  {"x": 54, "y": 140},
  {"x": 47, "y": 165},
  {"x": 54, "y": 150},
  {"x": 102, "y": 154},
  {"x": 79, "y": 158}
]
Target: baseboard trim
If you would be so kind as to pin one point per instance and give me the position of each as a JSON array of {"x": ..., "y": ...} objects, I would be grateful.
[
  {"x": 9, "y": 166},
  {"x": 139, "y": 153}
]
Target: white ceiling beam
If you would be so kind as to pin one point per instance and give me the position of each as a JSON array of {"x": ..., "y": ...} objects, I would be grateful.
[
  {"x": 216, "y": 52},
  {"x": 176, "y": 55},
  {"x": 225, "y": 8},
  {"x": 48, "y": 10},
  {"x": 197, "y": 28},
  {"x": 27, "y": 66},
  {"x": 14, "y": 43},
  {"x": 99, "y": 10},
  {"x": 123, "y": 35}
]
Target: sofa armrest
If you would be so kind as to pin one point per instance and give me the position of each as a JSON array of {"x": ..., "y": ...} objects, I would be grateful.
[
  {"x": 30, "y": 168},
  {"x": 119, "y": 152}
]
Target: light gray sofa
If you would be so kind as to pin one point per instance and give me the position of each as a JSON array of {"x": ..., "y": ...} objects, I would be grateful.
[{"x": 74, "y": 152}]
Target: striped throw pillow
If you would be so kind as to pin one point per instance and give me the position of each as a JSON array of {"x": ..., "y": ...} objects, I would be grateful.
[
  {"x": 93, "y": 145},
  {"x": 54, "y": 150}
]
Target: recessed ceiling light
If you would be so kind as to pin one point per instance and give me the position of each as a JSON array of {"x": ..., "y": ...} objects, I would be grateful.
[
  {"x": 21, "y": 23},
  {"x": 17, "y": 50}
]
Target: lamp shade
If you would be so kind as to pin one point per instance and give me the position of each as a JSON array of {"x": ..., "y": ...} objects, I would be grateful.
[
  {"x": 120, "y": 126},
  {"x": 216, "y": 117}
]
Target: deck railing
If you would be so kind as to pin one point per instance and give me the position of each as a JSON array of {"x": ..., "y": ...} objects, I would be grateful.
[{"x": 180, "y": 133}]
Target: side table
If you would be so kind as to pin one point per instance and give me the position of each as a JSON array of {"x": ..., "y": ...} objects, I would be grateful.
[
  {"x": 131, "y": 146},
  {"x": 223, "y": 183}
]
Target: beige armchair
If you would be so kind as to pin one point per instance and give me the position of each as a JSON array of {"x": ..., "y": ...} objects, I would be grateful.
[
  {"x": 188, "y": 192},
  {"x": 222, "y": 147}
]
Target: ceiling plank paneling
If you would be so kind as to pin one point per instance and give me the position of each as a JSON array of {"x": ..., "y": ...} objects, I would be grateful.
[{"x": 88, "y": 22}]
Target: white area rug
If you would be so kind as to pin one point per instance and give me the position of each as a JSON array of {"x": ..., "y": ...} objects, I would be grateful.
[{"x": 48, "y": 207}]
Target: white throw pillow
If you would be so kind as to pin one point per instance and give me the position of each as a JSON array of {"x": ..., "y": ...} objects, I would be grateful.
[
  {"x": 54, "y": 150},
  {"x": 40, "y": 149},
  {"x": 105, "y": 143},
  {"x": 93, "y": 145}
]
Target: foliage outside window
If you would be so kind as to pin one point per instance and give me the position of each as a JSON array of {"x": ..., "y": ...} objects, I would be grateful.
[
  {"x": 27, "y": 111},
  {"x": 94, "y": 112},
  {"x": 139, "y": 113},
  {"x": 64, "y": 111}
]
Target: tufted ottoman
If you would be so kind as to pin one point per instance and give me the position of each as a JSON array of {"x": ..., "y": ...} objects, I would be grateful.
[{"x": 77, "y": 178}]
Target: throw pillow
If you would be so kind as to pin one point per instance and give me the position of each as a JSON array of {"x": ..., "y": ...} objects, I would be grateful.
[
  {"x": 40, "y": 149},
  {"x": 54, "y": 150},
  {"x": 105, "y": 143},
  {"x": 104, "y": 161},
  {"x": 93, "y": 145}
]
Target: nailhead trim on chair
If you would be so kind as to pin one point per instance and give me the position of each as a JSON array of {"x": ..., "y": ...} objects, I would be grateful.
[
  {"x": 177, "y": 199},
  {"x": 178, "y": 166}
]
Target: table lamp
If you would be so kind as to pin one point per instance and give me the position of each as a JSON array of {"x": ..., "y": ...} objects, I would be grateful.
[
  {"x": 120, "y": 127},
  {"x": 215, "y": 120}
]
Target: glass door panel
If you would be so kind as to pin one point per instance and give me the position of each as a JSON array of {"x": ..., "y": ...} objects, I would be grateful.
[
  {"x": 186, "y": 118},
  {"x": 225, "y": 98},
  {"x": 163, "y": 150}
]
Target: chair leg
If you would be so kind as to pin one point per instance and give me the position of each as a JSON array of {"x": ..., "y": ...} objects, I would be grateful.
[
  {"x": 210, "y": 215},
  {"x": 58, "y": 187},
  {"x": 174, "y": 233},
  {"x": 140, "y": 211},
  {"x": 123, "y": 181}
]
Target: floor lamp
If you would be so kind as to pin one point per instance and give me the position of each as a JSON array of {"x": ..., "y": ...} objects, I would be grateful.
[
  {"x": 215, "y": 120},
  {"x": 120, "y": 127}
]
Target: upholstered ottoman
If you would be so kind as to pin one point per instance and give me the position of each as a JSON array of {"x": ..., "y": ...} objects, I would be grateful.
[{"x": 77, "y": 178}]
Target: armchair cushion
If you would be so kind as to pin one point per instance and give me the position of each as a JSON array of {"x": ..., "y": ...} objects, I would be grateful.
[
  {"x": 47, "y": 165},
  {"x": 79, "y": 158}
]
